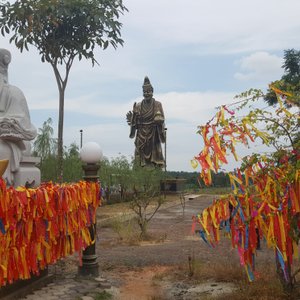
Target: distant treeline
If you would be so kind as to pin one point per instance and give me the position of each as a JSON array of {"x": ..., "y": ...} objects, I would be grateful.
[
  {"x": 116, "y": 171},
  {"x": 193, "y": 180}
]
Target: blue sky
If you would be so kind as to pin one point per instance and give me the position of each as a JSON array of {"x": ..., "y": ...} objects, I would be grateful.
[{"x": 198, "y": 54}]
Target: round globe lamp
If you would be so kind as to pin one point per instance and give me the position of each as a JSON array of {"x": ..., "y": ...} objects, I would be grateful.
[{"x": 91, "y": 153}]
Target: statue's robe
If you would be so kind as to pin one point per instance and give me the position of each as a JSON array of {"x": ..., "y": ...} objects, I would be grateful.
[
  {"x": 149, "y": 133},
  {"x": 16, "y": 129}
]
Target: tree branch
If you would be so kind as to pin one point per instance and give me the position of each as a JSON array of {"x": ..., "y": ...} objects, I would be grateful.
[
  {"x": 281, "y": 126},
  {"x": 156, "y": 209}
]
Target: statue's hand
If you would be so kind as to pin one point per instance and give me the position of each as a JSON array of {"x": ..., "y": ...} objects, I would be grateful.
[
  {"x": 158, "y": 118},
  {"x": 129, "y": 117}
]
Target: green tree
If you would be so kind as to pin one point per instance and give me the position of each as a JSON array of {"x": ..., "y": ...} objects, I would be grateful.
[
  {"x": 44, "y": 144},
  {"x": 121, "y": 170},
  {"x": 266, "y": 186},
  {"x": 49, "y": 169},
  {"x": 62, "y": 30},
  {"x": 45, "y": 147},
  {"x": 72, "y": 164},
  {"x": 290, "y": 81},
  {"x": 113, "y": 173},
  {"x": 138, "y": 184},
  {"x": 147, "y": 197},
  {"x": 73, "y": 150},
  {"x": 105, "y": 171},
  {"x": 291, "y": 67}
]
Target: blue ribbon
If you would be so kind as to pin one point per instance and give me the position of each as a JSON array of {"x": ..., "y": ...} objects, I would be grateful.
[
  {"x": 2, "y": 227},
  {"x": 227, "y": 224},
  {"x": 235, "y": 210},
  {"x": 242, "y": 215},
  {"x": 246, "y": 237},
  {"x": 251, "y": 275},
  {"x": 281, "y": 262},
  {"x": 202, "y": 234}
]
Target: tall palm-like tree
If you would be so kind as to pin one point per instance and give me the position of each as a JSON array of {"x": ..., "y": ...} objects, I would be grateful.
[
  {"x": 73, "y": 150},
  {"x": 44, "y": 144}
]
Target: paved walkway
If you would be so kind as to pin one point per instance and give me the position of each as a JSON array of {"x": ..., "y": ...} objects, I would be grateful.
[{"x": 71, "y": 288}]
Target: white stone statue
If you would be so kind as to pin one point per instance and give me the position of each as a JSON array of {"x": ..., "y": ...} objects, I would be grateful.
[{"x": 16, "y": 129}]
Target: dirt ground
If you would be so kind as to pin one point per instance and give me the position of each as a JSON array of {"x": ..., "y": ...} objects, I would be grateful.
[
  {"x": 141, "y": 271},
  {"x": 146, "y": 270}
]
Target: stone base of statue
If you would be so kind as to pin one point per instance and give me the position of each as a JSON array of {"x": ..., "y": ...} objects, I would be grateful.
[{"x": 28, "y": 174}]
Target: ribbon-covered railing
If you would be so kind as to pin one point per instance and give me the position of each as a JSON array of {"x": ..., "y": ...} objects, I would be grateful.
[{"x": 42, "y": 225}]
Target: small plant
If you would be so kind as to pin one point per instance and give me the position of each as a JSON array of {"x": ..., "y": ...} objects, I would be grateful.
[
  {"x": 125, "y": 227},
  {"x": 147, "y": 198},
  {"x": 103, "y": 296},
  {"x": 141, "y": 205},
  {"x": 191, "y": 260},
  {"x": 182, "y": 197}
]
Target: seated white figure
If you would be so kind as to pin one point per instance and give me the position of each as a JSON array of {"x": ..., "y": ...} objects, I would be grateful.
[{"x": 16, "y": 129}]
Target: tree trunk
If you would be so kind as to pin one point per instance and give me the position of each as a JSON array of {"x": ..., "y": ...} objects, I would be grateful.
[
  {"x": 60, "y": 134},
  {"x": 61, "y": 84},
  {"x": 143, "y": 226}
]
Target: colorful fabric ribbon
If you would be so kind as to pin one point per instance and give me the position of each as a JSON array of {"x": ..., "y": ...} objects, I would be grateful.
[
  {"x": 40, "y": 226},
  {"x": 265, "y": 198}
]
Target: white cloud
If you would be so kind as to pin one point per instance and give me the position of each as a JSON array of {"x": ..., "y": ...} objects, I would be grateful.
[
  {"x": 259, "y": 66},
  {"x": 217, "y": 26},
  {"x": 193, "y": 107},
  {"x": 190, "y": 107}
]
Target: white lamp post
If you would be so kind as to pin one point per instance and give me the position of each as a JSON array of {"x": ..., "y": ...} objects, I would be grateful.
[{"x": 90, "y": 154}]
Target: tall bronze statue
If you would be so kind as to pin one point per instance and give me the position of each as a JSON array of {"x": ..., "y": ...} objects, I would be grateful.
[{"x": 147, "y": 125}]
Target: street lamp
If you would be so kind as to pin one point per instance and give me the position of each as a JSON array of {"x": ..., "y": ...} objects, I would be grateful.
[
  {"x": 81, "y": 132},
  {"x": 166, "y": 149},
  {"x": 90, "y": 155}
]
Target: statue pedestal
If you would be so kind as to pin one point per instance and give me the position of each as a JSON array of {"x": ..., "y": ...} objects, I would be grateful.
[
  {"x": 28, "y": 174},
  {"x": 172, "y": 186}
]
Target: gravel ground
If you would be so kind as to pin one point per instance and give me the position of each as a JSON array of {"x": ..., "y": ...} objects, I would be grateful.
[{"x": 143, "y": 271}]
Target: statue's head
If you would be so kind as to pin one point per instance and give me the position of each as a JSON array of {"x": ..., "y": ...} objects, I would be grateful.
[
  {"x": 5, "y": 59},
  {"x": 147, "y": 89}
]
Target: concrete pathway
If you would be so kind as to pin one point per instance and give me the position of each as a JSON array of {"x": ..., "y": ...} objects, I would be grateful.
[{"x": 71, "y": 288}]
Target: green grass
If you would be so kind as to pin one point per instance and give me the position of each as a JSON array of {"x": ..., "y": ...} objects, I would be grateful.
[
  {"x": 214, "y": 190},
  {"x": 126, "y": 228}
]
